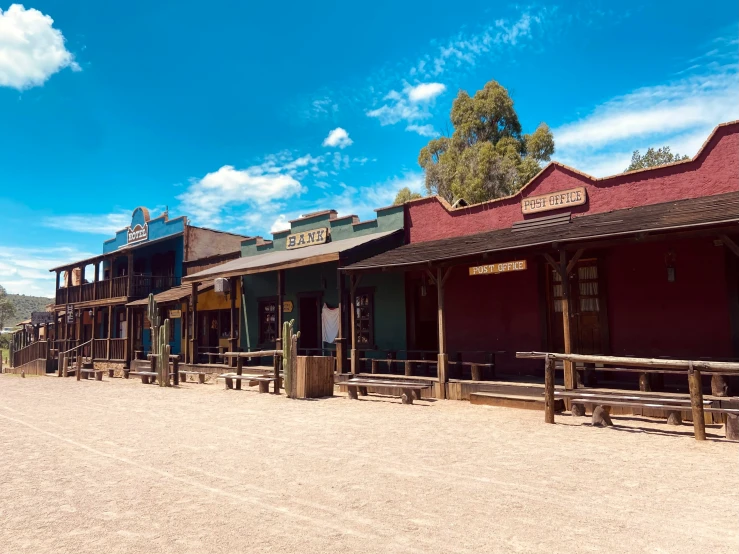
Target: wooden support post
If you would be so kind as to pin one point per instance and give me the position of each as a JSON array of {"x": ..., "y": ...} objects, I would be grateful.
[
  {"x": 129, "y": 288},
  {"x": 79, "y": 364},
  {"x": 110, "y": 328},
  {"x": 476, "y": 373},
  {"x": 443, "y": 358},
  {"x": 341, "y": 339},
  {"x": 408, "y": 368},
  {"x": 696, "y": 403},
  {"x": 374, "y": 366},
  {"x": 353, "y": 282},
  {"x": 239, "y": 371},
  {"x": 95, "y": 282},
  {"x": 93, "y": 334},
  {"x": 277, "y": 362},
  {"x": 176, "y": 371},
  {"x": 232, "y": 341},
  {"x": 129, "y": 344},
  {"x": 110, "y": 278},
  {"x": 194, "y": 313},
  {"x": 548, "y": 390},
  {"x": 719, "y": 387},
  {"x": 570, "y": 382}
]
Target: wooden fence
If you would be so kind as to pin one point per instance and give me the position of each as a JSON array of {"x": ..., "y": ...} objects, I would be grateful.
[
  {"x": 31, "y": 360},
  {"x": 691, "y": 369}
]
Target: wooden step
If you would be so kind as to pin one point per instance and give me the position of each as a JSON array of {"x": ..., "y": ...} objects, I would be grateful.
[{"x": 507, "y": 400}]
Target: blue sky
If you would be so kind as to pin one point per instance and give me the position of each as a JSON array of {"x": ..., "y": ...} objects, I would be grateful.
[{"x": 244, "y": 115}]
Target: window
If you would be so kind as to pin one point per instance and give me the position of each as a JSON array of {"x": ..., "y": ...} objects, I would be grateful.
[
  {"x": 587, "y": 276},
  {"x": 267, "y": 321},
  {"x": 557, "y": 291},
  {"x": 225, "y": 329},
  {"x": 364, "y": 318}
]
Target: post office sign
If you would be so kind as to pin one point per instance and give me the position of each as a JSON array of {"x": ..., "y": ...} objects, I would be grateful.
[
  {"x": 502, "y": 267},
  {"x": 554, "y": 201}
]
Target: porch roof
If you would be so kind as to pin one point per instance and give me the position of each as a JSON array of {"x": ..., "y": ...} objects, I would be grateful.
[
  {"x": 285, "y": 259},
  {"x": 695, "y": 213},
  {"x": 172, "y": 295}
]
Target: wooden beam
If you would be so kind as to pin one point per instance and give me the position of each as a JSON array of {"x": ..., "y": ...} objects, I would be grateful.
[
  {"x": 574, "y": 260},
  {"x": 570, "y": 382},
  {"x": 552, "y": 263},
  {"x": 341, "y": 339},
  {"x": 730, "y": 244},
  {"x": 194, "y": 313},
  {"x": 232, "y": 335},
  {"x": 431, "y": 276},
  {"x": 353, "y": 282},
  {"x": 443, "y": 358},
  {"x": 280, "y": 297}
]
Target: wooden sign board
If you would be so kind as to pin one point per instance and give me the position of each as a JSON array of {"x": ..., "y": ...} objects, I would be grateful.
[
  {"x": 70, "y": 313},
  {"x": 307, "y": 238},
  {"x": 42, "y": 318},
  {"x": 554, "y": 201},
  {"x": 287, "y": 306},
  {"x": 175, "y": 314},
  {"x": 503, "y": 267}
]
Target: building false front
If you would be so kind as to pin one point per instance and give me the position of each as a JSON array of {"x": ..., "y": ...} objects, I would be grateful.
[
  {"x": 295, "y": 276},
  {"x": 102, "y": 299}
]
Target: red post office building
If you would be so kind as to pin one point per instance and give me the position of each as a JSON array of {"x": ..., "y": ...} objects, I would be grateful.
[{"x": 638, "y": 264}]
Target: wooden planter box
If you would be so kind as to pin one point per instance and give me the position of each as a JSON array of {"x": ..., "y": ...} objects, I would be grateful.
[{"x": 315, "y": 376}]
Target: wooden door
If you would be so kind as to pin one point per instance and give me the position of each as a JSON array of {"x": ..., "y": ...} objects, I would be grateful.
[{"x": 588, "y": 321}]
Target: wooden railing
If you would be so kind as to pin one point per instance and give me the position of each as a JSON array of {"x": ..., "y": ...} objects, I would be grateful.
[
  {"x": 100, "y": 349},
  {"x": 120, "y": 288},
  {"x": 141, "y": 286},
  {"x": 117, "y": 349},
  {"x": 38, "y": 350},
  {"x": 87, "y": 292}
]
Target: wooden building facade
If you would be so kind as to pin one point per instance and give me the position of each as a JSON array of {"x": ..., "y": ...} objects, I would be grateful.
[{"x": 640, "y": 264}]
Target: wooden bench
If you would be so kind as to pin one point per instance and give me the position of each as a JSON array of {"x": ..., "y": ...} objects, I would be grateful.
[
  {"x": 673, "y": 407},
  {"x": 85, "y": 373},
  {"x": 147, "y": 377},
  {"x": 262, "y": 380},
  {"x": 355, "y": 387},
  {"x": 201, "y": 376}
]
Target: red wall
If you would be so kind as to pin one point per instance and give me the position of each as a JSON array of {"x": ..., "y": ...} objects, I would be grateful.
[
  {"x": 715, "y": 170},
  {"x": 495, "y": 312},
  {"x": 650, "y": 317}
]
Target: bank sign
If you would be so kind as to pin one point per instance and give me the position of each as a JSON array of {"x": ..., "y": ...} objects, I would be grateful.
[
  {"x": 554, "y": 200},
  {"x": 307, "y": 238}
]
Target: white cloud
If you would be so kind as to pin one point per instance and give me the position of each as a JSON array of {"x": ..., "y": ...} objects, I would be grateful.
[
  {"x": 31, "y": 49},
  {"x": 105, "y": 224},
  {"x": 338, "y": 138},
  {"x": 411, "y": 104},
  {"x": 280, "y": 224},
  {"x": 25, "y": 270},
  {"x": 425, "y": 92},
  {"x": 679, "y": 114},
  {"x": 423, "y": 130}
]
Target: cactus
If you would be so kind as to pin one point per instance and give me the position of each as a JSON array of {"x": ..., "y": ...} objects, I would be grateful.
[
  {"x": 163, "y": 350},
  {"x": 160, "y": 348},
  {"x": 287, "y": 354}
]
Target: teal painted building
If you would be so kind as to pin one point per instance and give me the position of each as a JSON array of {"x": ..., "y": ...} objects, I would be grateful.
[{"x": 296, "y": 276}]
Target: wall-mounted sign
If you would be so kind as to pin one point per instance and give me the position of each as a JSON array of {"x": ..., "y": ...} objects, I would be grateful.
[
  {"x": 42, "y": 318},
  {"x": 287, "y": 306},
  {"x": 554, "y": 200},
  {"x": 307, "y": 238},
  {"x": 70, "y": 313},
  {"x": 503, "y": 267},
  {"x": 175, "y": 314},
  {"x": 138, "y": 231}
]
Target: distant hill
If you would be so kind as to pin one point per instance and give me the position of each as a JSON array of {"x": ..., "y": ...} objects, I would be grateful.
[{"x": 24, "y": 305}]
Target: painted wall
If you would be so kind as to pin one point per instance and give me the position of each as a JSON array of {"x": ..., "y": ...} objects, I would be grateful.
[
  {"x": 389, "y": 298},
  {"x": 204, "y": 243},
  {"x": 159, "y": 227},
  {"x": 715, "y": 170},
  {"x": 648, "y": 316},
  {"x": 496, "y": 312}
]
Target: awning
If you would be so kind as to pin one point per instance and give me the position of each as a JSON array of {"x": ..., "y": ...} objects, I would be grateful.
[
  {"x": 346, "y": 251},
  {"x": 174, "y": 294},
  {"x": 691, "y": 214}
]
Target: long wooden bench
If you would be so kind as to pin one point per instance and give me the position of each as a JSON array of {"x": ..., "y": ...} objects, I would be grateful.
[
  {"x": 358, "y": 386},
  {"x": 262, "y": 380},
  {"x": 147, "y": 377}
]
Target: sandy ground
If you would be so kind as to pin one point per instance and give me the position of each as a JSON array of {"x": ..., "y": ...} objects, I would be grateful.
[{"x": 119, "y": 466}]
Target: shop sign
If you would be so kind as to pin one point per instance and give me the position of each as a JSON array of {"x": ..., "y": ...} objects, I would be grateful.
[
  {"x": 307, "y": 238},
  {"x": 42, "y": 318},
  {"x": 503, "y": 267},
  {"x": 287, "y": 306},
  {"x": 554, "y": 200},
  {"x": 175, "y": 314},
  {"x": 138, "y": 231},
  {"x": 70, "y": 313}
]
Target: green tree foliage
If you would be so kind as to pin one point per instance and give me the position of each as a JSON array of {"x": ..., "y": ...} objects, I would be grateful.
[
  {"x": 487, "y": 156},
  {"x": 653, "y": 158},
  {"x": 404, "y": 195},
  {"x": 23, "y": 306},
  {"x": 7, "y": 309}
]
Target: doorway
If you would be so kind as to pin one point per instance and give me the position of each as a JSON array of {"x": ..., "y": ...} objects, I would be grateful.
[
  {"x": 588, "y": 311},
  {"x": 309, "y": 322}
]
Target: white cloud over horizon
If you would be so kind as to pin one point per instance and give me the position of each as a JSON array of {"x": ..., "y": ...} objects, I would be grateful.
[
  {"x": 338, "y": 138},
  {"x": 679, "y": 113},
  {"x": 31, "y": 49},
  {"x": 96, "y": 224},
  {"x": 25, "y": 270}
]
